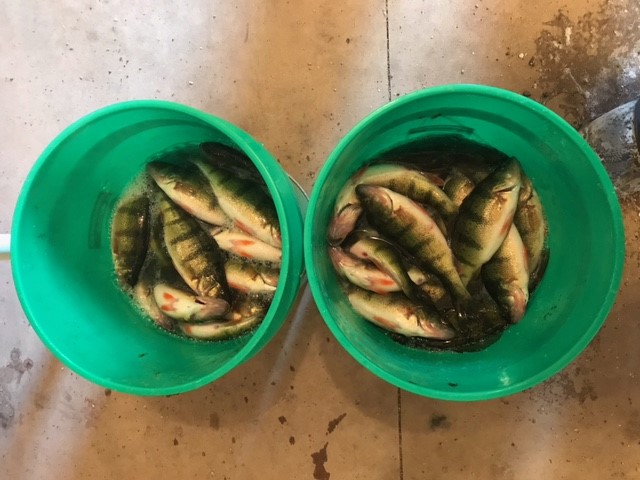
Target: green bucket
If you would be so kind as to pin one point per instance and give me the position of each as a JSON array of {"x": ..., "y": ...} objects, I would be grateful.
[
  {"x": 61, "y": 256},
  {"x": 586, "y": 242}
]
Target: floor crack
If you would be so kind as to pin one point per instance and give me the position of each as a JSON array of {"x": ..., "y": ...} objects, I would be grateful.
[
  {"x": 400, "y": 434},
  {"x": 386, "y": 16}
]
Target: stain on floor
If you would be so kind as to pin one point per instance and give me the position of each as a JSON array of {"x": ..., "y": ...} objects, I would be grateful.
[
  {"x": 631, "y": 428},
  {"x": 565, "y": 386},
  {"x": 439, "y": 422},
  {"x": 214, "y": 421},
  {"x": 11, "y": 374},
  {"x": 589, "y": 65},
  {"x": 319, "y": 459},
  {"x": 334, "y": 423}
]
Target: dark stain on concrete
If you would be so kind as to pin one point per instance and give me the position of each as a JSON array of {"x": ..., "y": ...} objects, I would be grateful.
[
  {"x": 439, "y": 421},
  {"x": 588, "y": 65},
  {"x": 632, "y": 427},
  {"x": 214, "y": 421},
  {"x": 7, "y": 412},
  {"x": 570, "y": 390},
  {"x": 40, "y": 401},
  {"x": 501, "y": 471},
  {"x": 334, "y": 423},
  {"x": 319, "y": 459}
]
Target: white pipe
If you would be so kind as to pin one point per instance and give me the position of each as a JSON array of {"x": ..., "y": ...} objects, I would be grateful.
[{"x": 5, "y": 245}]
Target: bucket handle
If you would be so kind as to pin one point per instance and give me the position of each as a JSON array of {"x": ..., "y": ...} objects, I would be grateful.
[{"x": 5, "y": 245}]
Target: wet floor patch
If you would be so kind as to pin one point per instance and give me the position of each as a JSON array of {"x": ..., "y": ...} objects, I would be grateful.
[
  {"x": 588, "y": 65},
  {"x": 10, "y": 377}
]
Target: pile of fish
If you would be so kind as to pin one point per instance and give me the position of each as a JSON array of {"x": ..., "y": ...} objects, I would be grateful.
[
  {"x": 196, "y": 243},
  {"x": 446, "y": 258}
]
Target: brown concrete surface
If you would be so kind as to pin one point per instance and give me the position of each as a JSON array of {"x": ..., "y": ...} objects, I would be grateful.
[{"x": 298, "y": 76}]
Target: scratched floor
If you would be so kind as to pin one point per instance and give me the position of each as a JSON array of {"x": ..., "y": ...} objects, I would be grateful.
[{"x": 298, "y": 75}]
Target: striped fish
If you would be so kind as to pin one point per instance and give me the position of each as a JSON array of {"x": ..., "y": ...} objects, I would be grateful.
[
  {"x": 506, "y": 276},
  {"x": 130, "y": 238},
  {"x": 246, "y": 313},
  {"x": 485, "y": 218},
  {"x": 195, "y": 255},
  {"x": 419, "y": 188},
  {"x": 248, "y": 277},
  {"x": 367, "y": 276},
  {"x": 143, "y": 295},
  {"x": 458, "y": 187},
  {"x": 244, "y": 245},
  {"x": 396, "y": 313},
  {"x": 250, "y": 208},
  {"x": 186, "y": 187},
  {"x": 347, "y": 208},
  {"x": 384, "y": 256},
  {"x": 411, "y": 227},
  {"x": 532, "y": 226},
  {"x": 183, "y": 305}
]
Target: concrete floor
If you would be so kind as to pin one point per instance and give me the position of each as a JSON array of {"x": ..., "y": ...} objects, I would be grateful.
[{"x": 298, "y": 75}]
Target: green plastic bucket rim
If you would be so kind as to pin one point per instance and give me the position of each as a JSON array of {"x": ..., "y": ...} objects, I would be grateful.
[
  {"x": 235, "y": 134},
  {"x": 571, "y": 135}
]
